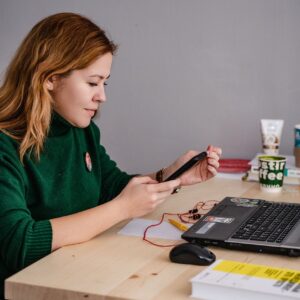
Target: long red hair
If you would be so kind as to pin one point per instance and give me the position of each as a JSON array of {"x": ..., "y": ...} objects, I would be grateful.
[{"x": 56, "y": 45}]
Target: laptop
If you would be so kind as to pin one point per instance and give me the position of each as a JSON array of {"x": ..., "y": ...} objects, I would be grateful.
[{"x": 249, "y": 224}]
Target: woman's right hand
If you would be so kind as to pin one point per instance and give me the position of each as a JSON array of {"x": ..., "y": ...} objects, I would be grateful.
[{"x": 143, "y": 194}]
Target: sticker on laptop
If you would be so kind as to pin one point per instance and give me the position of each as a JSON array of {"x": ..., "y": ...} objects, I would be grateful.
[
  {"x": 205, "y": 228},
  {"x": 215, "y": 219},
  {"x": 245, "y": 202}
]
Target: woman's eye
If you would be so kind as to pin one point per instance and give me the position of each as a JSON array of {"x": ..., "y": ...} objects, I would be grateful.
[{"x": 96, "y": 84}]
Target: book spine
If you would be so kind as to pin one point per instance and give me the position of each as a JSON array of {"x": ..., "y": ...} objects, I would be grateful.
[{"x": 292, "y": 173}]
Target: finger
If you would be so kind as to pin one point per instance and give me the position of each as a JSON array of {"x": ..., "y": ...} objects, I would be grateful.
[
  {"x": 164, "y": 186},
  {"x": 191, "y": 153},
  {"x": 209, "y": 148},
  {"x": 212, "y": 170},
  {"x": 163, "y": 195},
  {"x": 217, "y": 150},
  {"x": 143, "y": 180},
  {"x": 217, "y": 153},
  {"x": 163, "y": 198},
  {"x": 213, "y": 162},
  {"x": 213, "y": 155}
]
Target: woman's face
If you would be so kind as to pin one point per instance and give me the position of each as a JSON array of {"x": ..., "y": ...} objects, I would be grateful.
[{"x": 78, "y": 96}]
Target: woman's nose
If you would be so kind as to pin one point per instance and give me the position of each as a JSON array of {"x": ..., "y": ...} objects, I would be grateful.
[{"x": 100, "y": 96}]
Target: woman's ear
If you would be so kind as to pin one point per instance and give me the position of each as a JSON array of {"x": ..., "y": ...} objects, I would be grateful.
[{"x": 50, "y": 82}]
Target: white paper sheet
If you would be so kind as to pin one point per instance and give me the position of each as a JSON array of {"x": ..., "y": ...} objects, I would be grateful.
[{"x": 165, "y": 230}]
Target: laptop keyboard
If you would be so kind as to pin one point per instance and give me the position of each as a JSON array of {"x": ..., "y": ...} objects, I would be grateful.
[{"x": 271, "y": 223}]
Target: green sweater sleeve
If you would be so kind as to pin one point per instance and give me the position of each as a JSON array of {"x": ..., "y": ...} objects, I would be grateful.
[{"x": 23, "y": 240}]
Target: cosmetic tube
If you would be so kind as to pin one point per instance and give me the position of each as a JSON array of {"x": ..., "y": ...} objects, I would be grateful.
[{"x": 271, "y": 134}]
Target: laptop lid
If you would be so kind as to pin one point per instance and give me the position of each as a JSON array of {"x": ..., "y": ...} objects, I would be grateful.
[
  {"x": 223, "y": 220},
  {"x": 219, "y": 225}
]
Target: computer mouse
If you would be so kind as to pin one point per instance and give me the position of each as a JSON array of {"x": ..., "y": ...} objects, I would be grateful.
[{"x": 190, "y": 253}]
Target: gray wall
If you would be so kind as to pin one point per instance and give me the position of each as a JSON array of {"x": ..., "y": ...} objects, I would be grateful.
[{"x": 188, "y": 73}]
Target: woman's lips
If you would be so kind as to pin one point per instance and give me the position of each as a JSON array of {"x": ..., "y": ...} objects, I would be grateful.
[{"x": 91, "y": 112}]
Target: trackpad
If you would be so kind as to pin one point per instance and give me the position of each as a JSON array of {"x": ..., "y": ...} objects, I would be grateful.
[{"x": 294, "y": 237}]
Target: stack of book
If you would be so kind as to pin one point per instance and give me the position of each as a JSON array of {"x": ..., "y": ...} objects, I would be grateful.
[
  {"x": 291, "y": 173},
  {"x": 229, "y": 280}
]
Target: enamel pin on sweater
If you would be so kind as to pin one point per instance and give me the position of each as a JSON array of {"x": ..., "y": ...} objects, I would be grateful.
[{"x": 88, "y": 162}]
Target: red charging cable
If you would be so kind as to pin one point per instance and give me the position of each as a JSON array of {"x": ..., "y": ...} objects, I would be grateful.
[{"x": 191, "y": 217}]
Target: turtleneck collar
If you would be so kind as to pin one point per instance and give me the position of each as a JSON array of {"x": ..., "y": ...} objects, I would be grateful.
[{"x": 58, "y": 125}]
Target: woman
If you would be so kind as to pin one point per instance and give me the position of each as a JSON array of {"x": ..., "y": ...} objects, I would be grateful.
[{"x": 57, "y": 184}]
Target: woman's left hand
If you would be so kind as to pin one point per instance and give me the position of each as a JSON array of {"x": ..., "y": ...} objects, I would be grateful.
[{"x": 202, "y": 171}]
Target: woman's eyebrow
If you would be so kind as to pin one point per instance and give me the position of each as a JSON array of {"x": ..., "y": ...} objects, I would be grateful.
[{"x": 100, "y": 76}]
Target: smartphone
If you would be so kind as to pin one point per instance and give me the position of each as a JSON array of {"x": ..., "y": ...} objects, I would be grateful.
[{"x": 187, "y": 165}]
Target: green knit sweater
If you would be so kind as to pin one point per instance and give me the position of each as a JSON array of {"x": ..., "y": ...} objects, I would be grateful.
[{"x": 60, "y": 184}]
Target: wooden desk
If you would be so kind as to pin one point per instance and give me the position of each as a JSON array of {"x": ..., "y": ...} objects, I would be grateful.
[{"x": 112, "y": 266}]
